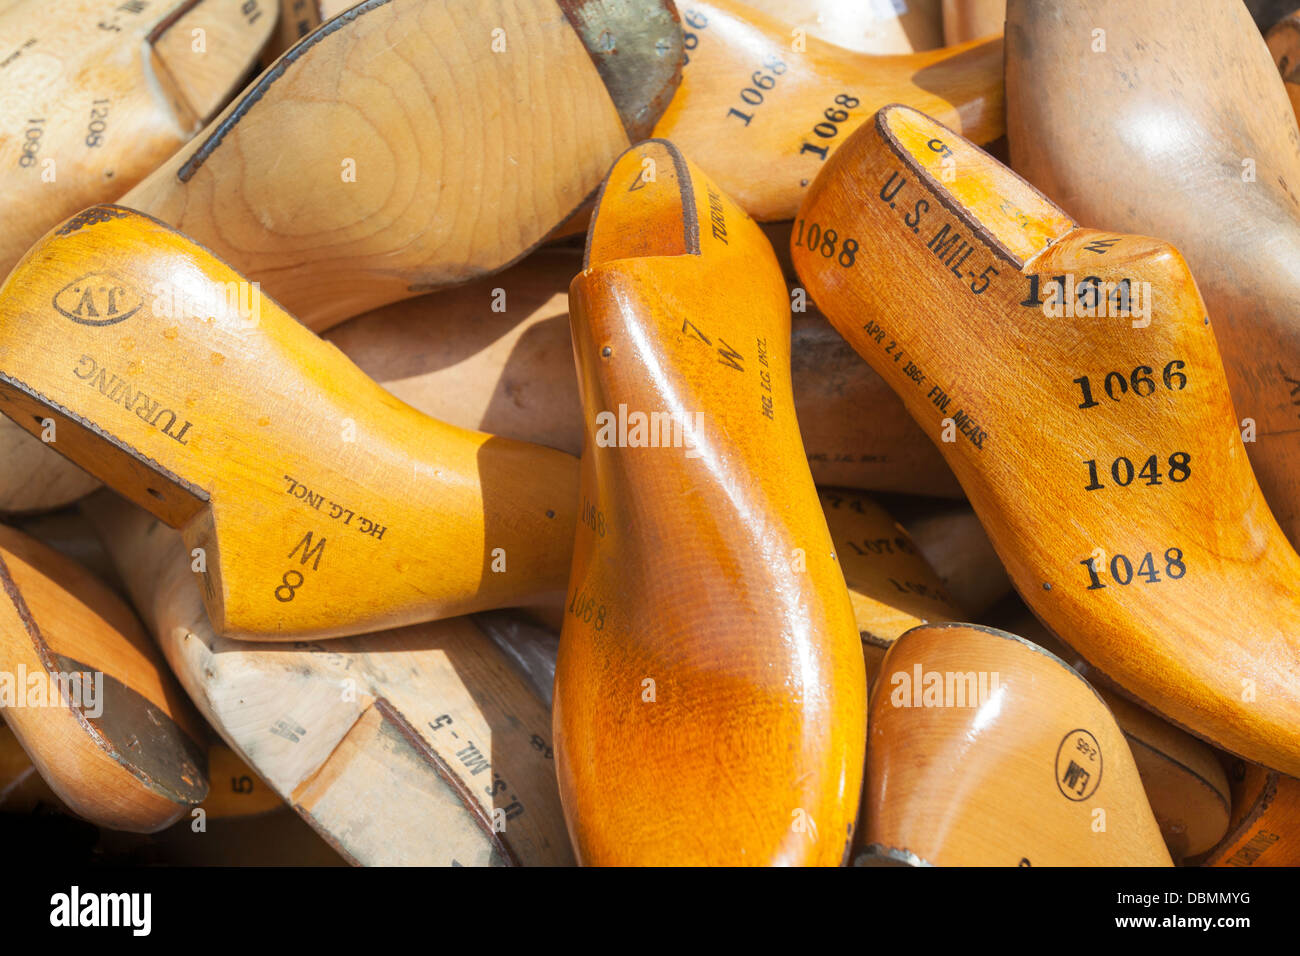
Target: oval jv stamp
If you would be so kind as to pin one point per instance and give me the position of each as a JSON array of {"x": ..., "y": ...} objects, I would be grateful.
[
  {"x": 1078, "y": 765},
  {"x": 97, "y": 298}
]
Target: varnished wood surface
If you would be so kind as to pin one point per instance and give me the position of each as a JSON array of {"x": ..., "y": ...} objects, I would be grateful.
[
  {"x": 93, "y": 96},
  {"x": 1034, "y": 772},
  {"x": 419, "y": 746},
  {"x": 496, "y": 355},
  {"x": 1206, "y": 631},
  {"x": 394, "y": 151},
  {"x": 746, "y": 636},
  {"x": 493, "y": 355},
  {"x": 126, "y": 754},
  {"x": 1183, "y": 777},
  {"x": 322, "y": 505},
  {"x": 1213, "y": 170},
  {"x": 761, "y": 163},
  {"x": 907, "y": 26}
]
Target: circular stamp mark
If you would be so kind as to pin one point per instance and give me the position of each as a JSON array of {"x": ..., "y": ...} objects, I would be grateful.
[
  {"x": 98, "y": 298},
  {"x": 1078, "y": 765}
]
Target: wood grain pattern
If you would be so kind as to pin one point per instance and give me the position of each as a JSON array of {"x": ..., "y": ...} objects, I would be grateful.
[
  {"x": 501, "y": 361},
  {"x": 492, "y": 355},
  {"x": 965, "y": 20},
  {"x": 233, "y": 422},
  {"x": 394, "y": 151},
  {"x": 121, "y": 748},
  {"x": 746, "y": 634},
  {"x": 1205, "y": 631},
  {"x": 93, "y": 97},
  {"x": 891, "y": 584},
  {"x": 419, "y": 746},
  {"x": 864, "y": 26},
  {"x": 1017, "y": 774},
  {"x": 1214, "y": 173},
  {"x": 762, "y": 162}
]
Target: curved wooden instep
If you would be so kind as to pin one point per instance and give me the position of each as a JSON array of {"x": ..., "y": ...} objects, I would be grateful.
[
  {"x": 863, "y": 26},
  {"x": 892, "y": 587},
  {"x": 88, "y": 696},
  {"x": 1101, "y": 453},
  {"x": 420, "y": 746},
  {"x": 965, "y": 20},
  {"x": 1180, "y": 129},
  {"x": 985, "y": 750},
  {"x": 322, "y": 505},
  {"x": 502, "y": 361},
  {"x": 761, "y": 119},
  {"x": 1183, "y": 777},
  {"x": 707, "y": 618},
  {"x": 407, "y": 145},
  {"x": 1283, "y": 40},
  {"x": 1265, "y": 827},
  {"x": 96, "y": 94}
]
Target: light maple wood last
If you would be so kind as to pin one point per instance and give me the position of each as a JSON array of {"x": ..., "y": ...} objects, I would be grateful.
[
  {"x": 1205, "y": 632},
  {"x": 707, "y": 622}
]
